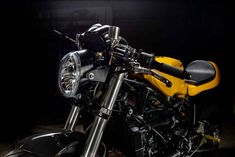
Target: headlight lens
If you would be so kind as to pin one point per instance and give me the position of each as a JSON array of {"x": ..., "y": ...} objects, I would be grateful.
[{"x": 69, "y": 74}]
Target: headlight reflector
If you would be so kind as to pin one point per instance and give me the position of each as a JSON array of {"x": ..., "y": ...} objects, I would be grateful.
[{"x": 69, "y": 74}]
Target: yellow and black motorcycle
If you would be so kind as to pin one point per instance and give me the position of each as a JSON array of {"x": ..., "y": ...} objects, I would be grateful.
[{"x": 128, "y": 102}]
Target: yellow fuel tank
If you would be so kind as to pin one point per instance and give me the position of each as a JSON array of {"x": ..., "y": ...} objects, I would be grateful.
[{"x": 179, "y": 87}]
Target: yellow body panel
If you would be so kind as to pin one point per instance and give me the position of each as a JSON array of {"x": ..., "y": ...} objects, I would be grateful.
[
  {"x": 179, "y": 86},
  {"x": 194, "y": 90},
  {"x": 170, "y": 61}
]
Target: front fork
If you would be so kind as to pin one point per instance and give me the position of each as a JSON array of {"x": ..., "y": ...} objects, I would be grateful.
[
  {"x": 72, "y": 118},
  {"x": 100, "y": 122}
]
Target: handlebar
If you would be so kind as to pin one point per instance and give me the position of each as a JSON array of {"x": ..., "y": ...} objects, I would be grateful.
[
  {"x": 171, "y": 70},
  {"x": 165, "y": 67},
  {"x": 130, "y": 56},
  {"x": 106, "y": 39}
]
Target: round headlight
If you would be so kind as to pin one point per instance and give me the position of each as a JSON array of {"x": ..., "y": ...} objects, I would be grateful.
[{"x": 69, "y": 74}]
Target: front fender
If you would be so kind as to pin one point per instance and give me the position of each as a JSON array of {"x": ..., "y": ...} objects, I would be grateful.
[{"x": 63, "y": 143}]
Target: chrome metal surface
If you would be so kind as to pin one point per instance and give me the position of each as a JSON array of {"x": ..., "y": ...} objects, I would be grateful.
[
  {"x": 114, "y": 33},
  {"x": 72, "y": 119},
  {"x": 111, "y": 94},
  {"x": 94, "y": 137},
  {"x": 99, "y": 74},
  {"x": 99, "y": 123}
]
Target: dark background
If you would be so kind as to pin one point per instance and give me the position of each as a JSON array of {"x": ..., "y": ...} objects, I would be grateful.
[{"x": 31, "y": 51}]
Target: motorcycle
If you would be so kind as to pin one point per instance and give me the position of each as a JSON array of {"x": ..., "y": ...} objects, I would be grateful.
[{"x": 127, "y": 102}]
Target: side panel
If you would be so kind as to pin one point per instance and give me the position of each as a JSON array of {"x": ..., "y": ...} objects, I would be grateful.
[
  {"x": 194, "y": 90},
  {"x": 178, "y": 85},
  {"x": 51, "y": 144}
]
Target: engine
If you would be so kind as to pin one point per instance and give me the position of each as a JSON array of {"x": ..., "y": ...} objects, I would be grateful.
[{"x": 160, "y": 127}]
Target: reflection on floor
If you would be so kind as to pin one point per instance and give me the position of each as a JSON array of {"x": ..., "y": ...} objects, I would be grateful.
[{"x": 226, "y": 149}]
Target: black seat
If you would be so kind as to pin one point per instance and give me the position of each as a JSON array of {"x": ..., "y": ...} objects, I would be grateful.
[{"x": 201, "y": 72}]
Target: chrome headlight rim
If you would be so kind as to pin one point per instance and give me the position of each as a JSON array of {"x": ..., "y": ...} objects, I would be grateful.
[{"x": 69, "y": 74}]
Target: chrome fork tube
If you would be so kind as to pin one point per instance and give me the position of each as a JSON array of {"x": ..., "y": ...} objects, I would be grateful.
[
  {"x": 72, "y": 119},
  {"x": 100, "y": 121}
]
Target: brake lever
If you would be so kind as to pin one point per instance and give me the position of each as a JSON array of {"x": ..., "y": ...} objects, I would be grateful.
[
  {"x": 161, "y": 78},
  {"x": 138, "y": 69}
]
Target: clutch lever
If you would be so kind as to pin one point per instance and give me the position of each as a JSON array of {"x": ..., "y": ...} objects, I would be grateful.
[{"x": 138, "y": 69}]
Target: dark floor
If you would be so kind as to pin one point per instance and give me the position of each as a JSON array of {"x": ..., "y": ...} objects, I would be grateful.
[
  {"x": 226, "y": 149},
  {"x": 227, "y": 146}
]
